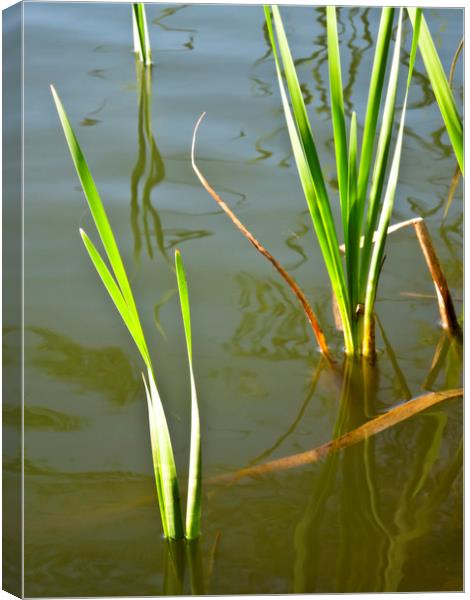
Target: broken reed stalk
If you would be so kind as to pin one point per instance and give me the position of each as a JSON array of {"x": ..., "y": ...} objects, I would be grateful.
[
  {"x": 318, "y": 332},
  {"x": 446, "y": 306},
  {"x": 373, "y": 427}
]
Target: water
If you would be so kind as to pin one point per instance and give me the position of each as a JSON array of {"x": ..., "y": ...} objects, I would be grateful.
[{"x": 384, "y": 515}]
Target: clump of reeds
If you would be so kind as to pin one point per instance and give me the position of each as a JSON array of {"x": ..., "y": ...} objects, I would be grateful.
[
  {"x": 117, "y": 284},
  {"x": 366, "y": 196},
  {"x": 141, "y": 34}
]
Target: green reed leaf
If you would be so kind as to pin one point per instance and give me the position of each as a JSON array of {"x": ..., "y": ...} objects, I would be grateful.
[
  {"x": 387, "y": 206},
  {"x": 194, "y": 501},
  {"x": 141, "y": 34},
  {"x": 380, "y": 166},
  {"x": 116, "y": 296},
  {"x": 96, "y": 206},
  {"x": 164, "y": 463},
  {"x": 337, "y": 114},
  {"x": 441, "y": 87},
  {"x": 376, "y": 84}
]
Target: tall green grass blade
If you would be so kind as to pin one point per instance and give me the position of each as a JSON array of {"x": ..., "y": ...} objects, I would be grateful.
[
  {"x": 96, "y": 206},
  {"x": 337, "y": 115},
  {"x": 193, "y": 510},
  {"x": 310, "y": 172},
  {"x": 373, "y": 102},
  {"x": 352, "y": 222},
  {"x": 160, "y": 437},
  {"x": 117, "y": 297},
  {"x": 119, "y": 289},
  {"x": 140, "y": 29},
  {"x": 156, "y": 458},
  {"x": 441, "y": 88},
  {"x": 387, "y": 207},
  {"x": 380, "y": 165},
  {"x": 135, "y": 32}
]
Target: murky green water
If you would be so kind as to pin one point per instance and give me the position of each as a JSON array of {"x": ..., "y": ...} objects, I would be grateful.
[{"x": 384, "y": 515}]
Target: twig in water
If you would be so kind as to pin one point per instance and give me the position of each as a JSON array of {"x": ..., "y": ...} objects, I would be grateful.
[
  {"x": 374, "y": 426},
  {"x": 320, "y": 336}
]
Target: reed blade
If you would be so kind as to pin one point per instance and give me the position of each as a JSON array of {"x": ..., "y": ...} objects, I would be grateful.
[
  {"x": 380, "y": 165},
  {"x": 353, "y": 221},
  {"x": 164, "y": 462},
  {"x": 96, "y": 206},
  {"x": 156, "y": 459},
  {"x": 389, "y": 197},
  {"x": 141, "y": 34},
  {"x": 440, "y": 86},
  {"x": 337, "y": 115},
  {"x": 376, "y": 85},
  {"x": 116, "y": 296},
  {"x": 194, "y": 500}
]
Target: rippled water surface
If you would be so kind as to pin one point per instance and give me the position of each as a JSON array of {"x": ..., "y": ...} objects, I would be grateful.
[{"x": 383, "y": 515}]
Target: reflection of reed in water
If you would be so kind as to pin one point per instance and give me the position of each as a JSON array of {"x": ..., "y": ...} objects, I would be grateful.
[
  {"x": 42, "y": 418},
  {"x": 373, "y": 523},
  {"x": 149, "y": 168},
  {"x": 271, "y": 325},
  {"x": 356, "y": 52},
  {"x": 149, "y": 172},
  {"x": 168, "y": 12},
  {"x": 60, "y": 357}
]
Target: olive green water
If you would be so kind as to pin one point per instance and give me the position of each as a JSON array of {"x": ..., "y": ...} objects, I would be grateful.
[{"x": 384, "y": 515}]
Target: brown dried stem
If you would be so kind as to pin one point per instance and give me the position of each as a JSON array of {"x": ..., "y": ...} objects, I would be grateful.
[
  {"x": 262, "y": 250},
  {"x": 446, "y": 306},
  {"x": 373, "y": 427}
]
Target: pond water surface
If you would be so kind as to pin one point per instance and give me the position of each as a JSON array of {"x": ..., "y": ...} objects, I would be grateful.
[{"x": 384, "y": 515}]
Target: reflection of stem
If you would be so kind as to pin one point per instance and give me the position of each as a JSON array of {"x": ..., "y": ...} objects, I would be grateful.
[
  {"x": 212, "y": 557},
  {"x": 444, "y": 345},
  {"x": 450, "y": 195},
  {"x": 373, "y": 427},
  {"x": 173, "y": 579},
  {"x": 196, "y": 576},
  {"x": 166, "y": 297},
  {"x": 287, "y": 278},
  {"x": 308, "y": 528},
  {"x": 178, "y": 553},
  {"x": 291, "y": 429},
  {"x": 422, "y": 518},
  {"x": 394, "y": 362},
  {"x": 454, "y": 62},
  {"x": 359, "y": 488},
  {"x": 148, "y": 159}
]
